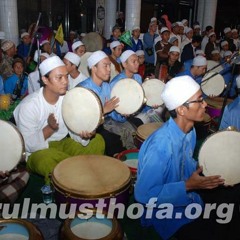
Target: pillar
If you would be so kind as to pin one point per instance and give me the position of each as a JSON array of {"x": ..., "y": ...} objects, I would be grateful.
[
  {"x": 110, "y": 17},
  {"x": 210, "y": 10},
  {"x": 200, "y": 13},
  {"x": 133, "y": 13},
  {"x": 9, "y": 20}
]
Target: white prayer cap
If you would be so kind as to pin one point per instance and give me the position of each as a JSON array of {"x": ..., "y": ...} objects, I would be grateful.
[
  {"x": 211, "y": 33},
  {"x": 196, "y": 26},
  {"x": 43, "y": 42},
  {"x": 153, "y": 19},
  {"x": 114, "y": 44},
  {"x": 227, "y": 54},
  {"x": 25, "y": 34},
  {"x": 188, "y": 29},
  {"x": 139, "y": 52},
  {"x": 174, "y": 49},
  {"x": 177, "y": 91},
  {"x": 125, "y": 55},
  {"x": 172, "y": 39},
  {"x": 215, "y": 51},
  {"x": 6, "y": 45},
  {"x": 238, "y": 81},
  {"x": 135, "y": 28},
  {"x": 164, "y": 29},
  {"x": 234, "y": 30},
  {"x": 73, "y": 58},
  {"x": 72, "y": 32},
  {"x": 223, "y": 43},
  {"x": 2, "y": 35},
  {"x": 44, "y": 54},
  {"x": 95, "y": 58},
  {"x": 199, "y": 61},
  {"x": 200, "y": 52},
  {"x": 184, "y": 21},
  {"x": 83, "y": 34},
  {"x": 77, "y": 44},
  {"x": 49, "y": 64},
  {"x": 227, "y": 29},
  {"x": 180, "y": 24}
]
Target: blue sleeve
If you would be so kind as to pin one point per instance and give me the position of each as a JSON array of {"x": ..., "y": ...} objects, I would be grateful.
[
  {"x": 151, "y": 182},
  {"x": 1, "y": 86},
  {"x": 9, "y": 85},
  {"x": 25, "y": 86},
  {"x": 225, "y": 119}
]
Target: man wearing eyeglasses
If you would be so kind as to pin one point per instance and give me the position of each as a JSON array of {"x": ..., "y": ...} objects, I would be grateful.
[{"x": 168, "y": 173}]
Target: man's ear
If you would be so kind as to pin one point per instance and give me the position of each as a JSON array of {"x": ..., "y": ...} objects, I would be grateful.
[
  {"x": 45, "y": 80},
  {"x": 181, "y": 110}
]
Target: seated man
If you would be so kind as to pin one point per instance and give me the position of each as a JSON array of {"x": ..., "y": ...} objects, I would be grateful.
[
  {"x": 231, "y": 112},
  {"x": 169, "y": 181},
  {"x": 39, "y": 119}
]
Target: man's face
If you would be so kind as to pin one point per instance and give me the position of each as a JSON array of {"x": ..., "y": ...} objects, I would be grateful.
[
  {"x": 26, "y": 40},
  {"x": 136, "y": 33},
  {"x": 132, "y": 64},
  {"x": 117, "y": 51},
  {"x": 103, "y": 69},
  {"x": 18, "y": 68},
  {"x": 165, "y": 36},
  {"x": 201, "y": 70},
  {"x": 80, "y": 50},
  {"x": 116, "y": 33},
  {"x": 12, "y": 51},
  {"x": 69, "y": 65},
  {"x": 173, "y": 56},
  {"x": 57, "y": 82},
  {"x": 195, "y": 108}
]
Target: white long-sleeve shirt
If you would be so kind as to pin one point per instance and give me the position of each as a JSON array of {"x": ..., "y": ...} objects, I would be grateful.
[{"x": 31, "y": 117}]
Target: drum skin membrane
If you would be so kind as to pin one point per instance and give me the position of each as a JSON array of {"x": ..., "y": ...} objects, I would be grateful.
[
  {"x": 13, "y": 231},
  {"x": 83, "y": 228},
  {"x": 220, "y": 155}
]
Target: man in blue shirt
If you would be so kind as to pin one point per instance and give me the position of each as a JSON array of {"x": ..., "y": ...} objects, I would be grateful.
[
  {"x": 231, "y": 114},
  {"x": 168, "y": 174}
]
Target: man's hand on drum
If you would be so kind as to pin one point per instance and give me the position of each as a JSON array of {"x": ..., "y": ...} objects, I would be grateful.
[
  {"x": 110, "y": 105},
  {"x": 155, "y": 106},
  {"x": 52, "y": 122},
  {"x": 4, "y": 174},
  {"x": 196, "y": 181},
  {"x": 87, "y": 135}
]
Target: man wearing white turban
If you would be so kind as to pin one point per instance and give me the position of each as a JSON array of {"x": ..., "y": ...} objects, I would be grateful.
[
  {"x": 169, "y": 177},
  {"x": 39, "y": 119}
]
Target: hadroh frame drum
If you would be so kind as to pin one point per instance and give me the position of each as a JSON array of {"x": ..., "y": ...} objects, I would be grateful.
[
  {"x": 153, "y": 89},
  {"x": 88, "y": 178},
  {"x": 97, "y": 226},
  {"x": 144, "y": 131},
  {"x": 19, "y": 229},
  {"x": 219, "y": 155},
  {"x": 11, "y": 146},
  {"x": 131, "y": 96},
  {"x": 82, "y": 110}
]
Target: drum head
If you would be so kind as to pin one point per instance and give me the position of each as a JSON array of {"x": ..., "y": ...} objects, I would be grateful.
[
  {"x": 211, "y": 64},
  {"x": 214, "y": 85},
  {"x": 81, "y": 110},
  {"x": 93, "y": 42},
  {"x": 153, "y": 89},
  {"x": 147, "y": 129},
  {"x": 130, "y": 94},
  {"x": 11, "y": 146},
  {"x": 219, "y": 155},
  {"x": 91, "y": 176}
]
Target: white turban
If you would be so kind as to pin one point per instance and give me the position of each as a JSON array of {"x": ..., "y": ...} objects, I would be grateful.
[
  {"x": 199, "y": 61},
  {"x": 174, "y": 49},
  {"x": 114, "y": 44},
  {"x": 73, "y": 58},
  {"x": 77, "y": 44},
  {"x": 125, "y": 55},
  {"x": 25, "y": 34},
  {"x": 95, "y": 58},
  {"x": 139, "y": 52},
  {"x": 49, "y": 64},
  {"x": 178, "y": 90}
]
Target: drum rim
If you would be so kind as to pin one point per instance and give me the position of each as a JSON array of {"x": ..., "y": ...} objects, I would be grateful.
[
  {"x": 28, "y": 225},
  {"x": 101, "y": 115},
  {"x": 115, "y": 226},
  {"x": 210, "y": 75},
  {"x": 140, "y": 87},
  {"x": 210, "y": 136},
  {"x": 23, "y": 153},
  {"x": 70, "y": 193},
  {"x": 153, "y": 80},
  {"x": 138, "y": 134}
]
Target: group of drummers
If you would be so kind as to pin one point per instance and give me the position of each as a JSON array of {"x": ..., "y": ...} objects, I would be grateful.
[{"x": 50, "y": 116}]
